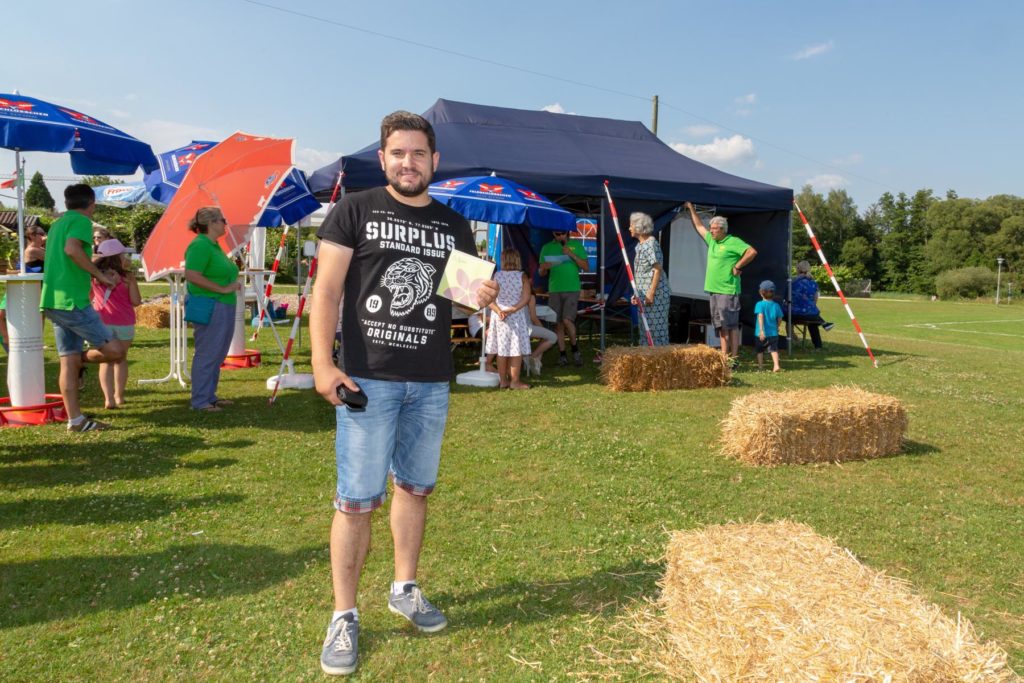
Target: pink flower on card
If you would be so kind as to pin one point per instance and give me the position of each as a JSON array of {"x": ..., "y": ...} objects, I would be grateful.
[{"x": 464, "y": 289}]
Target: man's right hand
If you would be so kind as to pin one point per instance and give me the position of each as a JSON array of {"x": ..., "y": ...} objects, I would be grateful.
[{"x": 328, "y": 380}]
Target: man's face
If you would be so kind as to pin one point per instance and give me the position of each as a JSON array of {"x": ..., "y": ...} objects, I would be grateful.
[
  {"x": 717, "y": 232},
  {"x": 407, "y": 162},
  {"x": 561, "y": 237}
]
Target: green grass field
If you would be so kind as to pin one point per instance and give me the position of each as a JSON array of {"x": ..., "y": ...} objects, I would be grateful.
[{"x": 183, "y": 545}]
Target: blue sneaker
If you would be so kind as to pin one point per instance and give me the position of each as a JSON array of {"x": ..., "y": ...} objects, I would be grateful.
[
  {"x": 417, "y": 609},
  {"x": 341, "y": 646}
]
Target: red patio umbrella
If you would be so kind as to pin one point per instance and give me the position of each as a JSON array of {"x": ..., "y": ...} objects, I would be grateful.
[{"x": 239, "y": 175}]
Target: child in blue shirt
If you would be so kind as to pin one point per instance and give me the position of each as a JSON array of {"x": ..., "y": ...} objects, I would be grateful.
[{"x": 768, "y": 315}]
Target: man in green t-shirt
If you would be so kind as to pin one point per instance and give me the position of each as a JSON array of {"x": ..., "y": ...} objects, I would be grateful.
[
  {"x": 65, "y": 301},
  {"x": 727, "y": 256},
  {"x": 561, "y": 260}
]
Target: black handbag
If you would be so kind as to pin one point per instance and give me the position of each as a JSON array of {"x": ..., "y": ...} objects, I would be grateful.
[{"x": 198, "y": 309}]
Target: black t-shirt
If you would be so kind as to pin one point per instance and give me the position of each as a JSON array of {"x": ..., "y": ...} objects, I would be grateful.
[{"x": 393, "y": 324}]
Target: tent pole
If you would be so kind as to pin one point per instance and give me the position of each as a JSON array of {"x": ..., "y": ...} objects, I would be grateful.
[
  {"x": 601, "y": 292},
  {"x": 789, "y": 287}
]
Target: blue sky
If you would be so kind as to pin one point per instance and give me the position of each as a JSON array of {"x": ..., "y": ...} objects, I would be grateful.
[{"x": 867, "y": 96}]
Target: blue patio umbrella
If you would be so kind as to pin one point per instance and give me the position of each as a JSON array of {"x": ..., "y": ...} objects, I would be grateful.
[
  {"x": 165, "y": 180},
  {"x": 28, "y": 124},
  {"x": 123, "y": 195},
  {"x": 499, "y": 200},
  {"x": 292, "y": 202}
]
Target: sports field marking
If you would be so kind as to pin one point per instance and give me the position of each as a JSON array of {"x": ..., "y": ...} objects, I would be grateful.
[
  {"x": 882, "y": 335},
  {"x": 964, "y": 322},
  {"x": 987, "y": 333}
]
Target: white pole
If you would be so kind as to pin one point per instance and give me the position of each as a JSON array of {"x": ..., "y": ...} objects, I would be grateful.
[
  {"x": 237, "y": 347},
  {"x": 999, "y": 277},
  {"x": 20, "y": 182}
]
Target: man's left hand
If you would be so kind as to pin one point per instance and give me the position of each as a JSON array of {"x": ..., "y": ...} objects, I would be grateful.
[{"x": 486, "y": 293}]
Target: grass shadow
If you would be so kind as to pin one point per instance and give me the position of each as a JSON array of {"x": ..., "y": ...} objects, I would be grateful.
[
  {"x": 47, "y": 590},
  {"x": 135, "y": 456},
  {"x": 79, "y": 510},
  {"x": 602, "y": 593}
]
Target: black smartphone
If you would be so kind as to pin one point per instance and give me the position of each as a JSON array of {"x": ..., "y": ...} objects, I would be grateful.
[{"x": 353, "y": 400}]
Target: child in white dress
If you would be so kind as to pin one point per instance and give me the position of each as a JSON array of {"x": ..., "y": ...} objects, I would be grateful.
[{"x": 508, "y": 335}]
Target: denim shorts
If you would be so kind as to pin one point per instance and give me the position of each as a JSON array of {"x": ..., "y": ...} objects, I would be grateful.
[
  {"x": 71, "y": 327},
  {"x": 400, "y": 433},
  {"x": 767, "y": 344}
]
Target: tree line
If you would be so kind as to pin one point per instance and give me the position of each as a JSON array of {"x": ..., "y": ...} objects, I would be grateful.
[{"x": 914, "y": 243}]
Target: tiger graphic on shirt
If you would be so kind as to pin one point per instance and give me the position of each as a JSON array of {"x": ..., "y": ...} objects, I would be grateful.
[{"x": 410, "y": 284}]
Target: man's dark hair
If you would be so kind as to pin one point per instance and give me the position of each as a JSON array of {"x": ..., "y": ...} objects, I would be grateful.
[
  {"x": 404, "y": 120},
  {"x": 78, "y": 196}
]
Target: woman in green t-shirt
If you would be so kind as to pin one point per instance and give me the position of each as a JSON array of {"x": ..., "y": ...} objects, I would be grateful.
[{"x": 210, "y": 275}]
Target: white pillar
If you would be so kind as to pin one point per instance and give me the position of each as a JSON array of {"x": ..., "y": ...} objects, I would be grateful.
[
  {"x": 26, "y": 379},
  {"x": 237, "y": 347}
]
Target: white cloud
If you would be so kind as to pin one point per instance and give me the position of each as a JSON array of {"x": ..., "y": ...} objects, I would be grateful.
[
  {"x": 309, "y": 159},
  {"x": 814, "y": 50},
  {"x": 120, "y": 113},
  {"x": 784, "y": 181},
  {"x": 749, "y": 98},
  {"x": 163, "y": 135},
  {"x": 701, "y": 130},
  {"x": 557, "y": 108},
  {"x": 824, "y": 182},
  {"x": 721, "y": 152},
  {"x": 851, "y": 159},
  {"x": 131, "y": 97}
]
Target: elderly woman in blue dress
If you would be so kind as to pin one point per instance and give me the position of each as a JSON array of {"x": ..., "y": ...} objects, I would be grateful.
[{"x": 649, "y": 271}]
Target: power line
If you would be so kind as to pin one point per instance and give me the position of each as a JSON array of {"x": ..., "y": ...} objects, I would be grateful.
[{"x": 562, "y": 79}]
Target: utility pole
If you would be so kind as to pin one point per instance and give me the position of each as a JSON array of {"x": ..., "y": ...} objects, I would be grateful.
[{"x": 654, "y": 117}]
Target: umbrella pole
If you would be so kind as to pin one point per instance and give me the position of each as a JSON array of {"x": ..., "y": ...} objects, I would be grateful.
[{"x": 19, "y": 165}]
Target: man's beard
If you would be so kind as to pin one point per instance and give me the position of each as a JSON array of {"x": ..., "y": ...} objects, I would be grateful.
[{"x": 414, "y": 190}]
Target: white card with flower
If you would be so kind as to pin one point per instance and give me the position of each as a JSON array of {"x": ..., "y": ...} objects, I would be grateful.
[{"x": 462, "y": 277}]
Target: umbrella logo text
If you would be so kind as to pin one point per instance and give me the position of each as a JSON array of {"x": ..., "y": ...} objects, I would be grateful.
[{"x": 16, "y": 105}]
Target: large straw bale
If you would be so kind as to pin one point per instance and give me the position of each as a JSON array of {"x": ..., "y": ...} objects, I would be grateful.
[
  {"x": 661, "y": 368},
  {"x": 153, "y": 315},
  {"x": 813, "y": 425},
  {"x": 778, "y": 602}
]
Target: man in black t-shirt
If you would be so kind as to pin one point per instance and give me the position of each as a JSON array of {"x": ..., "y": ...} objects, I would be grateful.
[{"x": 382, "y": 253}]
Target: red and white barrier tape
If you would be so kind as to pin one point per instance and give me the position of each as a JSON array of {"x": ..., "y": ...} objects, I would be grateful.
[{"x": 835, "y": 283}]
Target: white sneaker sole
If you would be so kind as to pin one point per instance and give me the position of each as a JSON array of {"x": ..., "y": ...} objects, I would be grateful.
[
  {"x": 338, "y": 670},
  {"x": 423, "y": 629}
]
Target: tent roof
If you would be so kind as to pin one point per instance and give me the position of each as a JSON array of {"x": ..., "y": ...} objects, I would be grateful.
[{"x": 564, "y": 155}]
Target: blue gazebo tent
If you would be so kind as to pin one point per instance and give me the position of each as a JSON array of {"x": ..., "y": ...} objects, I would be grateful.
[{"x": 568, "y": 158}]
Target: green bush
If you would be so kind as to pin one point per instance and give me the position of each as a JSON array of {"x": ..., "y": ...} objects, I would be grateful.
[
  {"x": 820, "y": 275},
  {"x": 965, "y": 283}
]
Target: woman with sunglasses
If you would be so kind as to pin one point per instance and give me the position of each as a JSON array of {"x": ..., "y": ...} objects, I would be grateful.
[
  {"x": 35, "y": 250},
  {"x": 211, "y": 275}
]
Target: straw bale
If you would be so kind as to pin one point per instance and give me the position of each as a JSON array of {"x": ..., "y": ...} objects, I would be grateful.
[
  {"x": 778, "y": 602},
  {"x": 813, "y": 425},
  {"x": 661, "y": 368},
  {"x": 153, "y": 315}
]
